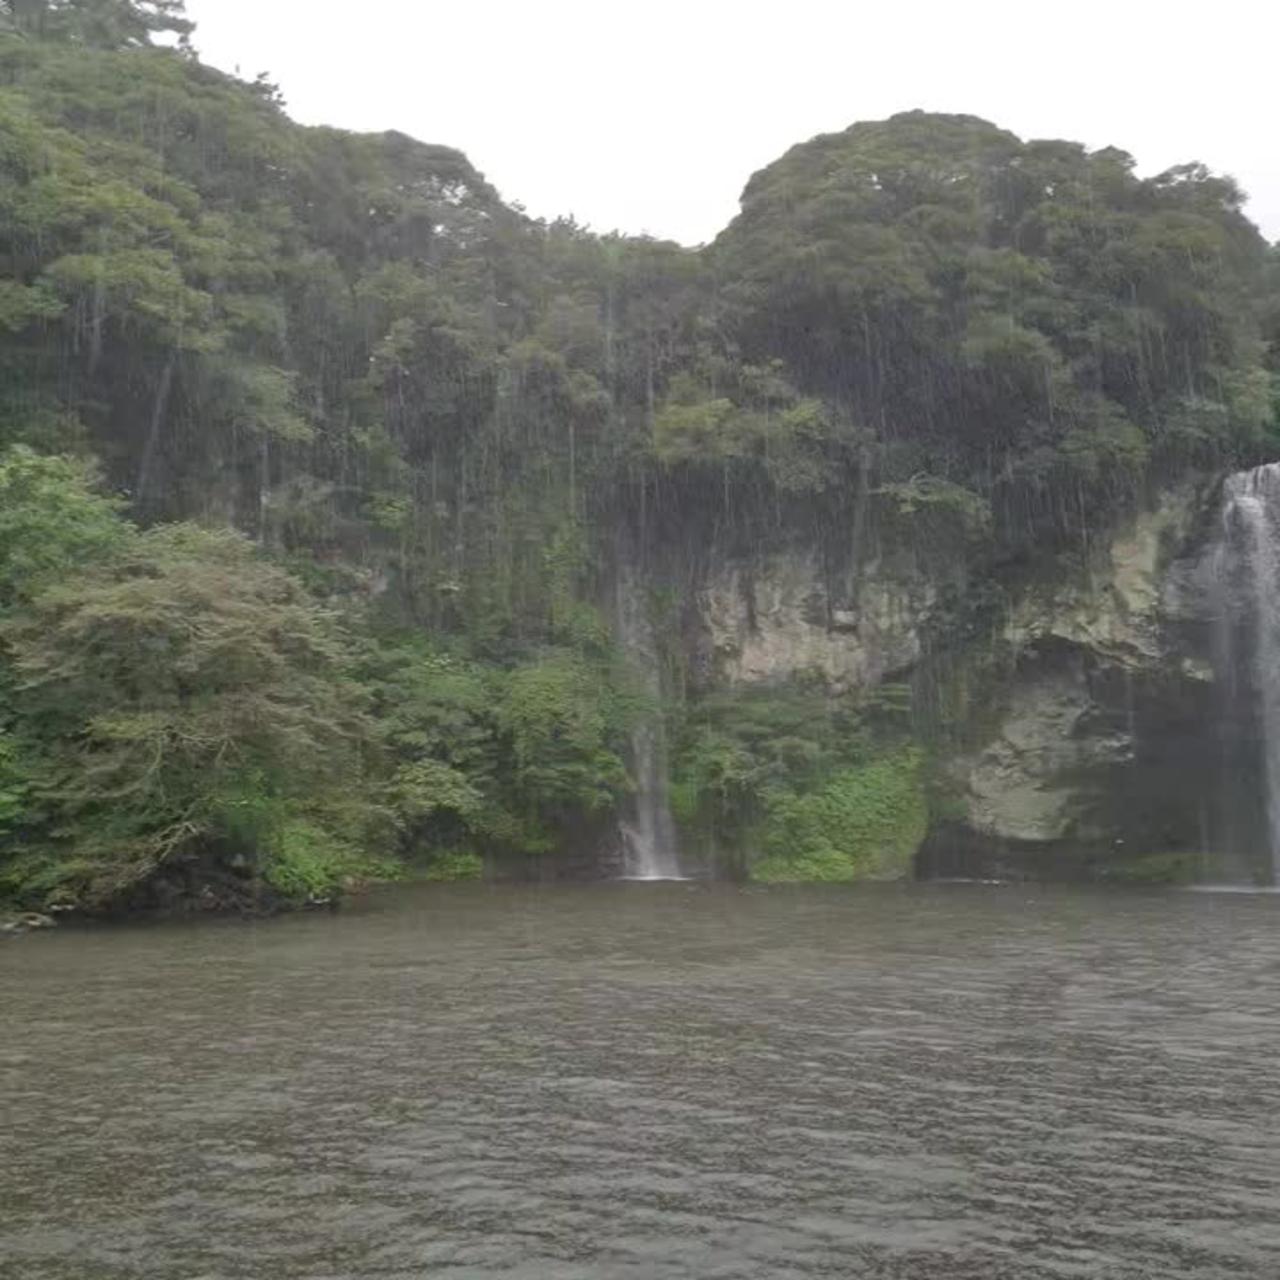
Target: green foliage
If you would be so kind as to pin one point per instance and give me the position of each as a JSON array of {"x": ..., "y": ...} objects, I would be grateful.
[
  {"x": 822, "y": 788},
  {"x": 939, "y": 507},
  {"x": 564, "y": 720},
  {"x": 426, "y": 787},
  {"x": 869, "y": 820},
  {"x": 351, "y": 348},
  {"x": 110, "y": 24},
  {"x": 1025, "y": 318},
  {"x": 160, "y": 690},
  {"x": 306, "y": 862},
  {"x": 763, "y": 428},
  {"x": 574, "y": 623},
  {"x": 452, "y": 421},
  {"x": 497, "y": 759},
  {"x": 14, "y": 783},
  {"x": 817, "y": 787},
  {"x": 739, "y": 748},
  {"x": 688, "y": 430},
  {"x": 52, "y": 520},
  {"x": 453, "y": 865},
  {"x": 448, "y": 770}
]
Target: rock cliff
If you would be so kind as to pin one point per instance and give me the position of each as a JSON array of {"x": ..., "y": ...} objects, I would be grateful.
[{"x": 1089, "y": 743}]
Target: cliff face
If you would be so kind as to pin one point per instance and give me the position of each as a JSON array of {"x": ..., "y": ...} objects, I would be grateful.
[
  {"x": 784, "y": 617},
  {"x": 1086, "y": 741},
  {"x": 1105, "y": 698}
]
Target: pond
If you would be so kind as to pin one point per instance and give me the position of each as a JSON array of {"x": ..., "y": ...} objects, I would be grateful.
[{"x": 652, "y": 1080}]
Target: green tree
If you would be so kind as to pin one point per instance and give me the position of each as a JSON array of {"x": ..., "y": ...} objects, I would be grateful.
[
  {"x": 109, "y": 24},
  {"x": 187, "y": 706},
  {"x": 565, "y": 720},
  {"x": 1025, "y": 320},
  {"x": 53, "y": 522},
  {"x": 866, "y": 821}
]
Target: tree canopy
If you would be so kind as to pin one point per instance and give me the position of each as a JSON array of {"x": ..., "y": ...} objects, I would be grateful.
[{"x": 105, "y": 24}]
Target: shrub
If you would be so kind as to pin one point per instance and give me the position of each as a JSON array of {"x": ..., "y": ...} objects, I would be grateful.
[
  {"x": 862, "y": 821},
  {"x": 454, "y": 865}
]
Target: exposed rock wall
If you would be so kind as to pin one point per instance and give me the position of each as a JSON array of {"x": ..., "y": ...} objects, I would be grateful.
[
  {"x": 1025, "y": 785},
  {"x": 1094, "y": 733},
  {"x": 785, "y": 616},
  {"x": 1106, "y": 699}
]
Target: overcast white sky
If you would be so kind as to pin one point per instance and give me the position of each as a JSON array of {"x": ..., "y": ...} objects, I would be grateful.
[{"x": 651, "y": 116}]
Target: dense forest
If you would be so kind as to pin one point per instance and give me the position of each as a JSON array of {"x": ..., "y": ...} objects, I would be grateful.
[{"x": 322, "y": 469}]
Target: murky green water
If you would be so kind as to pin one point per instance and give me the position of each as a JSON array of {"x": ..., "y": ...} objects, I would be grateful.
[{"x": 940, "y": 1082}]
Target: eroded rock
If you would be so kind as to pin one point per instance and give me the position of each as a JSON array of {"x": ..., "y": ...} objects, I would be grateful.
[{"x": 770, "y": 621}]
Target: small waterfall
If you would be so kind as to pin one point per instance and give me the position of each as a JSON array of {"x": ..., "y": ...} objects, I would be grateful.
[
  {"x": 1247, "y": 579},
  {"x": 649, "y": 833}
]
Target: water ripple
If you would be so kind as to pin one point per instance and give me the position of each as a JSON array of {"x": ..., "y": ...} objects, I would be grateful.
[{"x": 935, "y": 1083}]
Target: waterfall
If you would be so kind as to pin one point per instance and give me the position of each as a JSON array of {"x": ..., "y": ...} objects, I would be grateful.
[
  {"x": 1247, "y": 579},
  {"x": 649, "y": 832}
]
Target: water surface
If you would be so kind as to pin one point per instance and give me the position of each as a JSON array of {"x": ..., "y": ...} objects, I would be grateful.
[{"x": 675, "y": 1080}]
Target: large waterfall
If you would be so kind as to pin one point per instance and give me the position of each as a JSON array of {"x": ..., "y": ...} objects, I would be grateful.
[
  {"x": 1247, "y": 572},
  {"x": 649, "y": 833}
]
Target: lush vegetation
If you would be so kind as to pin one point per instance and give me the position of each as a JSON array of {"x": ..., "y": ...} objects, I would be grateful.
[
  {"x": 863, "y": 821},
  {"x": 819, "y": 787},
  {"x": 320, "y": 463}
]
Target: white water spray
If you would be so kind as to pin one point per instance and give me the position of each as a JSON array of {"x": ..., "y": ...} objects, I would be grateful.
[
  {"x": 1248, "y": 568},
  {"x": 649, "y": 836}
]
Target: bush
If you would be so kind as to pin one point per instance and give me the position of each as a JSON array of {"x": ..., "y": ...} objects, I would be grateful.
[
  {"x": 13, "y": 783},
  {"x": 52, "y": 521},
  {"x": 565, "y": 720},
  {"x": 861, "y": 822},
  {"x": 305, "y": 861},
  {"x": 454, "y": 865},
  {"x": 740, "y": 749},
  {"x": 177, "y": 700}
]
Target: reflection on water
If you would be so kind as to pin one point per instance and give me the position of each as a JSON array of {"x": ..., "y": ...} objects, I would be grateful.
[{"x": 938, "y": 1082}]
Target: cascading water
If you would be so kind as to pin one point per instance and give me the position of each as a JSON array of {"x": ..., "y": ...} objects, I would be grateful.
[
  {"x": 649, "y": 835},
  {"x": 1247, "y": 579}
]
